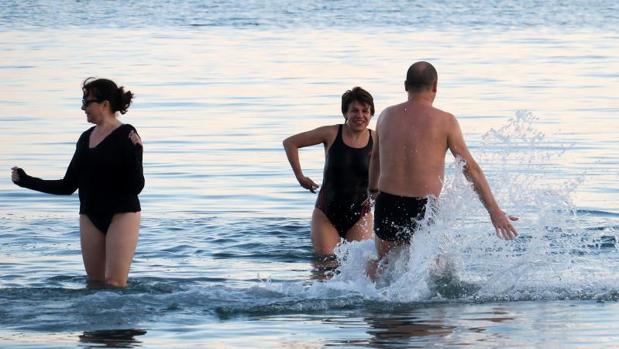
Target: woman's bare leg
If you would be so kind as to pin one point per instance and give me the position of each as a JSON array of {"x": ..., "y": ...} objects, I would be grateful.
[
  {"x": 363, "y": 229},
  {"x": 324, "y": 235},
  {"x": 92, "y": 241},
  {"x": 121, "y": 241}
]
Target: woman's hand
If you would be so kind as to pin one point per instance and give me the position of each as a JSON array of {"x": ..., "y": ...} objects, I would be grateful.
[
  {"x": 15, "y": 174},
  {"x": 135, "y": 138},
  {"x": 307, "y": 183}
]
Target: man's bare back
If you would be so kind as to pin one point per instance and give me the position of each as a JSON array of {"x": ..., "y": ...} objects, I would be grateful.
[
  {"x": 412, "y": 152},
  {"x": 408, "y": 162}
]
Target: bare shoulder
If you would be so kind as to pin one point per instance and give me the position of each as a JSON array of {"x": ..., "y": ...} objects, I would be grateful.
[
  {"x": 444, "y": 114},
  {"x": 388, "y": 112},
  {"x": 322, "y": 134},
  {"x": 393, "y": 108},
  {"x": 328, "y": 130},
  {"x": 322, "y": 130},
  {"x": 327, "y": 133},
  {"x": 448, "y": 119}
]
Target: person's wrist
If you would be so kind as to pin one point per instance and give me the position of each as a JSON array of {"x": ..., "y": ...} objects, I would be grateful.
[
  {"x": 372, "y": 194},
  {"x": 497, "y": 212}
]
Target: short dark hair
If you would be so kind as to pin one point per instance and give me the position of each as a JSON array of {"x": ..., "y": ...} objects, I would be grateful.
[
  {"x": 357, "y": 94},
  {"x": 420, "y": 76},
  {"x": 107, "y": 90}
]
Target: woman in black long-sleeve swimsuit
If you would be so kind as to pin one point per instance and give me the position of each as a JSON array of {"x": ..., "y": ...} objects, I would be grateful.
[
  {"x": 341, "y": 211},
  {"x": 107, "y": 169}
]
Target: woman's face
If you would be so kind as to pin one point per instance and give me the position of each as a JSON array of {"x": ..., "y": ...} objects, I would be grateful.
[
  {"x": 93, "y": 108},
  {"x": 358, "y": 116}
]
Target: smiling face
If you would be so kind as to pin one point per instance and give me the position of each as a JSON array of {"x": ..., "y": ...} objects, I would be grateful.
[
  {"x": 358, "y": 116},
  {"x": 357, "y": 108}
]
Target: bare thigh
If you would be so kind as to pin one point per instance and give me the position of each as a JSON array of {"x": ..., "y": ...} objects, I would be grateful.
[
  {"x": 122, "y": 239},
  {"x": 324, "y": 235},
  {"x": 92, "y": 241},
  {"x": 363, "y": 229},
  {"x": 384, "y": 247}
]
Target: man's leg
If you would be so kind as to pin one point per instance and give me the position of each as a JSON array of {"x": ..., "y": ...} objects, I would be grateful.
[{"x": 383, "y": 248}]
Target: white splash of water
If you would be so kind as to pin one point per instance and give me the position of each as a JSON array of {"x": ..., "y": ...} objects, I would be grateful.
[{"x": 458, "y": 256}]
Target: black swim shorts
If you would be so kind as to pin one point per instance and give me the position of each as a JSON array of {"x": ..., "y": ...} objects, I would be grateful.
[{"x": 396, "y": 217}]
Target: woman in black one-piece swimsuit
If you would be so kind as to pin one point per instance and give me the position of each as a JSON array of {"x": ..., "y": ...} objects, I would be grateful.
[
  {"x": 341, "y": 210},
  {"x": 107, "y": 169}
]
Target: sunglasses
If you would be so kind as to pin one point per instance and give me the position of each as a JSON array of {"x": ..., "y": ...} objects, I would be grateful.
[{"x": 86, "y": 102}]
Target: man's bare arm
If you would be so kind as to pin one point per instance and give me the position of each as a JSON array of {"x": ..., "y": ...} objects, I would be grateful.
[
  {"x": 474, "y": 173},
  {"x": 374, "y": 171}
]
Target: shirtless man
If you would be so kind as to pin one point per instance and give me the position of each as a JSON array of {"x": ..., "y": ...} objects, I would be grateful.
[{"x": 408, "y": 163}]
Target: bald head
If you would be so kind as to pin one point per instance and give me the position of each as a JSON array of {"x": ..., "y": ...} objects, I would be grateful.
[{"x": 420, "y": 76}]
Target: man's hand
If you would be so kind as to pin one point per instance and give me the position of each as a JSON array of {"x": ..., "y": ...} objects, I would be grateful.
[
  {"x": 371, "y": 199},
  {"x": 504, "y": 229}
]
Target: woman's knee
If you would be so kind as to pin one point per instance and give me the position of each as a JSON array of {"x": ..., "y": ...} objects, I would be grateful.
[{"x": 115, "y": 281}]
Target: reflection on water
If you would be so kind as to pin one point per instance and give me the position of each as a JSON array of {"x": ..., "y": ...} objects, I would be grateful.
[
  {"x": 111, "y": 338},
  {"x": 423, "y": 326},
  {"x": 405, "y": 331}
]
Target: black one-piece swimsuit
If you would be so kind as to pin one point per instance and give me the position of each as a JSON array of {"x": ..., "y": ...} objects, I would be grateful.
[{"x": 345, "y": 183}]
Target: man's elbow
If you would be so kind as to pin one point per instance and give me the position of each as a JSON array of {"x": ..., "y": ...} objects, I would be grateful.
[{"x": 471, "y": 169}]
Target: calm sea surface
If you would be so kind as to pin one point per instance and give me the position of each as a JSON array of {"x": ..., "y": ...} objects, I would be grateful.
[{"x": 225, "y": 259}]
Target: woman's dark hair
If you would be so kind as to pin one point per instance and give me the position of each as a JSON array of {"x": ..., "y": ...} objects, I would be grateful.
[
  {"x": 357, "y": 94},
  {"x": 107, "y": 90}
]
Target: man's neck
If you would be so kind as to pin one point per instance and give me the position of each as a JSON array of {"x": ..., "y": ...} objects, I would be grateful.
[{"x": 421, "y": 97}]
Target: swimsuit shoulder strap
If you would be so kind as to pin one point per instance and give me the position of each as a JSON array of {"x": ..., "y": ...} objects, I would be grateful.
[
  {"x": 339, "y": 136},
  {"x": 338, "y": 141},
  {"x": 371, "y": 140}
]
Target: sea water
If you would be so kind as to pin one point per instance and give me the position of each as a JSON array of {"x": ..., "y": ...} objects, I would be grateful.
[{"x": 224, "y": 257}]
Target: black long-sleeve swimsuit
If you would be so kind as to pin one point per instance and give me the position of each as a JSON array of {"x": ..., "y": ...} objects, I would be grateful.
[{"x": 109, "y": 177}]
